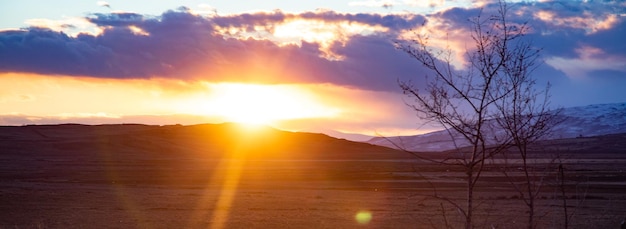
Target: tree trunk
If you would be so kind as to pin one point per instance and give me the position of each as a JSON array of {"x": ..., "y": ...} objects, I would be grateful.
[
  {"x": 531, "y": 213},
  {"x": 529, "y": 188},
  {"x": 563, "y": 195},
  {"x": 470, "y": 197}
]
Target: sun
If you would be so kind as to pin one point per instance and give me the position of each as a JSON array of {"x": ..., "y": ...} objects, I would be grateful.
[{"x": 258, "y": 104}]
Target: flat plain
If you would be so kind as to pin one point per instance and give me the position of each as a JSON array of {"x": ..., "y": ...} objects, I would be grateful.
[{"x": 227, "y": 176}]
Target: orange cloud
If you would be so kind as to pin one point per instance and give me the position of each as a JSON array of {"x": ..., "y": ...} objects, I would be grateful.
[{"x": 294, "y": 30}]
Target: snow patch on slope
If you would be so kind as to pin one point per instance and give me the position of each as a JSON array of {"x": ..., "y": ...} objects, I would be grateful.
[{"x": 583, "y": 121}]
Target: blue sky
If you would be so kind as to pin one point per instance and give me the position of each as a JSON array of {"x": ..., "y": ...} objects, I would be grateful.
[{"x": 339, "y": 56}]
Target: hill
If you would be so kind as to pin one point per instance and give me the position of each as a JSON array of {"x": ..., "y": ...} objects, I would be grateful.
[
  {"x": 584, "y": 121},
  {"x": 165, "y": 154},
  {"x": 206, "y": 140}
]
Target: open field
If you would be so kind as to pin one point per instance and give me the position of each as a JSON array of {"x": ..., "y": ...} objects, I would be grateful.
[{"x": 134, "y": 176}]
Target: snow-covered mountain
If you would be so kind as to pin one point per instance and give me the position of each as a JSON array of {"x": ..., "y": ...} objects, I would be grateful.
[{"x": 591, "y": 120}]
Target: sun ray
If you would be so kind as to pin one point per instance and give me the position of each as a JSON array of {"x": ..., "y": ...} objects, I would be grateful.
[{"x": 227, "y": 192}]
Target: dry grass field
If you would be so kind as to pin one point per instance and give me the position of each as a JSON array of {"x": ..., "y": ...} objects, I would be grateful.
[{"x": 227, "y": 176}]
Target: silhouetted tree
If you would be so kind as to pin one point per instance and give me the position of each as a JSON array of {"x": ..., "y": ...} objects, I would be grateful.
[
  {"x": 525, "y": 117},
  {"x": 493, "y": 93}
]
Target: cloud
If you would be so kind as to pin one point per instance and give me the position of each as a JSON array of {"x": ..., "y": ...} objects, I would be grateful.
[
  {"x": 560, "y": 29},
  {"x": 70, "y": 25},
  {"x": 393, "y": 22},
  {"x": 116, "y": 19},
  {"x": 322, "y": 27},
  {"x": 348, "y": 49},
  {"x": 205, "y": 9},
  {"x": 104, "y": 4},
  {"x": 589, "y": 59},
  {"x": 182, "y": 45},
  {"x": 588, "y": 22}
]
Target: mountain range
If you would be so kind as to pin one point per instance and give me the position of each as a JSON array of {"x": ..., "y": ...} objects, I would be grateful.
[{"x": 582, "y": 121}]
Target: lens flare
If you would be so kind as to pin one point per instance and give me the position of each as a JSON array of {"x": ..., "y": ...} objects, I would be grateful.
[{"x": 363, "y": 217}]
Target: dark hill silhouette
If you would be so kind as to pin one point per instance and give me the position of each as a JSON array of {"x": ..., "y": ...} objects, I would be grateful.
[
  {"x": 171, "y": 154},
  {"x": 206, "y": 140},
  {"x": 141, "y": 176}
]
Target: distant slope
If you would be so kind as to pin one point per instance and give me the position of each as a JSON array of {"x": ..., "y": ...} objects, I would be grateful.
[
  {"x": 584, "y": 121},
  {"x": 206, "y": 141},
  {"x": 342, "y": 135},
  {"x": 592, "y": 120}
]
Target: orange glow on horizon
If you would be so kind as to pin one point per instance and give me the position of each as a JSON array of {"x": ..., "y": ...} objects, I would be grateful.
[
  {"x": 256, "y": 104},
  {"x": 41, "y": 99},
  {"x": 75, "y": 97}
]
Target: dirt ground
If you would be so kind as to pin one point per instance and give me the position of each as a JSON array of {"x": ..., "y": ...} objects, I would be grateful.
[{"x": 78, "y": 180}]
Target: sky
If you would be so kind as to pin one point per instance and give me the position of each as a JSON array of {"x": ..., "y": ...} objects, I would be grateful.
[{"x": 296, "y": 65}]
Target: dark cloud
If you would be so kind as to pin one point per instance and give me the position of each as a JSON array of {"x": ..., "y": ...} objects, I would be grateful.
[
  {"x": 562, "y": 36},
  {"x": 572, "y": 25},
  {"x": 611, "y": 41},
  {"x": 44, "y": 51},
  {"x": 379, "y": 62},
  {"x": 116, "y": 19},
  {"x": 176, "y": 40},
  {"x": 393, "y": 22},
  {"x": 183, "y": 45},
  {"x": 250, "y": 20},
  {"x": 179, "y": 44},
  {"x": 565, "y": 29}
]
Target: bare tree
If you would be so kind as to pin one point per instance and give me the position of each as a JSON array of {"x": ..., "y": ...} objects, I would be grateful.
[
  {"x": 525, "y": 114},
  {"x": 466, "y": 102},
  {"x": 525, "y": 117}
]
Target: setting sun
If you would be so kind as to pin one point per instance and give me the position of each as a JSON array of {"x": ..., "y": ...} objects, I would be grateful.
[{"x": 258, "y": 104}]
